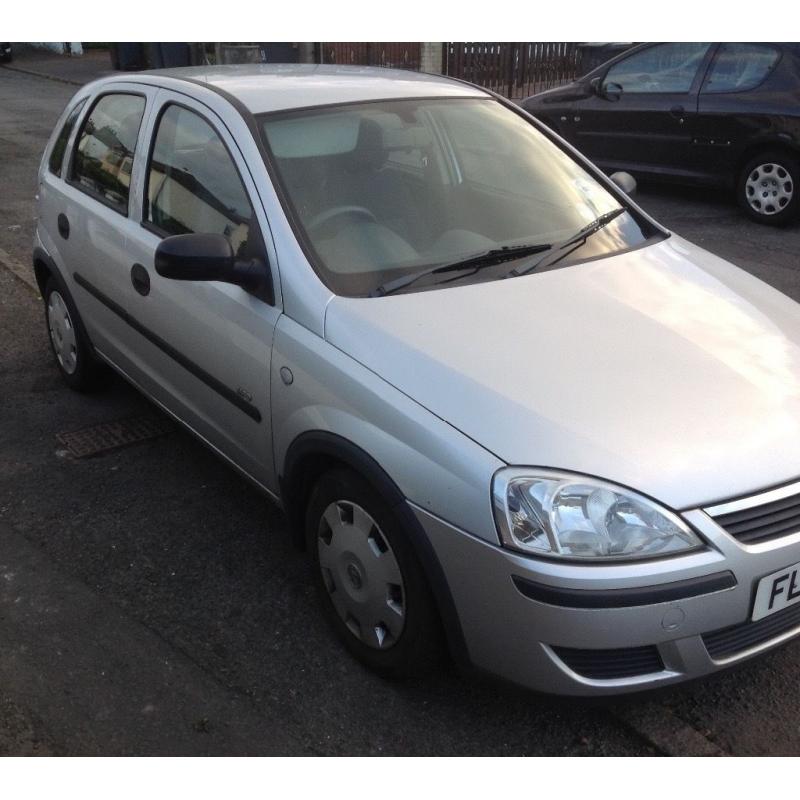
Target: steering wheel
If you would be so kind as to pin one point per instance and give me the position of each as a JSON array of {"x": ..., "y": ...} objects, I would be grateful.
[{"x": 340, "y": 211}]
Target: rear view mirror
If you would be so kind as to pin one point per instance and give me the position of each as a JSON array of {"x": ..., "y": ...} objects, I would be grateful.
[
  {"x": 624, "y": 181},
  {"x": 206, "y": 257}
]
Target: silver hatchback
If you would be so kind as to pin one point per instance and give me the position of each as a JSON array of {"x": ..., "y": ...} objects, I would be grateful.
[{"x": 507, "y": 413}]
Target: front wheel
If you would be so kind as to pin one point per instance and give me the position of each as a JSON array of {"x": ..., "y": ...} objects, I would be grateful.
[
  {"x": 373, "y": 589},
  {"x": 768, "y": 188}
]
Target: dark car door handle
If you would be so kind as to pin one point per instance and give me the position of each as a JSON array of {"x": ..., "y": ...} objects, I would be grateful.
[
  {"x": 140, "y": 279},
  {"x": 679, "y": 112},
  {"x": 63, "y": 226}
]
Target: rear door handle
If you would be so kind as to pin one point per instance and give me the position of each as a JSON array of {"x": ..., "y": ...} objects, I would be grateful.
[
  {"x": 140, "y": 279},
  {"x": 63, "y": 226}
]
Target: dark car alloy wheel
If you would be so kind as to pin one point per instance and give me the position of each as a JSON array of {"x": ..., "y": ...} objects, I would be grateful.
[{"x": 768, "y": 188}]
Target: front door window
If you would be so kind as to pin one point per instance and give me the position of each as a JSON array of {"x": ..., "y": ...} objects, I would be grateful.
[{"x": 663, "y": 68}]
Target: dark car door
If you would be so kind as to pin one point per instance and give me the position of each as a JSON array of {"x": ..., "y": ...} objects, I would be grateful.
[
  {"x": 743, "y": 100},
  {"x": 642, "y": 116}
]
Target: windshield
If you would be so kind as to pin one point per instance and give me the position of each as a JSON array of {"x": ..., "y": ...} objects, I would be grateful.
[{"x": 382, "y": 190}]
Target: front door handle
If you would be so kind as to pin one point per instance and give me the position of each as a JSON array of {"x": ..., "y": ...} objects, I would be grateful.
[
  {"x": 140, "y": 279},
  {"x": 63, "y": 226},
  {"x": 679, "y": 113}
]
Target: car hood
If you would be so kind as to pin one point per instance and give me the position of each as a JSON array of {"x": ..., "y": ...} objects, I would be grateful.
[{"x": 665, "y": 369}]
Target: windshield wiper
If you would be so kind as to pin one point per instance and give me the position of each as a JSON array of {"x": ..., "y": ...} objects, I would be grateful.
[
  {"x": 556, "y": 252},
  {"x": 476, "y": 262}
]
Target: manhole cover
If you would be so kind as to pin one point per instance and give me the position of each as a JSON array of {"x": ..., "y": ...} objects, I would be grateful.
[{"x": 112, "y": 435}]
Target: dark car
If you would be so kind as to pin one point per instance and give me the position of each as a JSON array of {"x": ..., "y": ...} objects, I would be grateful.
[
  {"x": 5, "y": 51},
  {"x": 722, "y": 114}
]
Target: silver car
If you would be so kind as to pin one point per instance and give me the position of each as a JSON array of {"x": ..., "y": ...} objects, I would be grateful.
[{"x": 507, "y": 414}]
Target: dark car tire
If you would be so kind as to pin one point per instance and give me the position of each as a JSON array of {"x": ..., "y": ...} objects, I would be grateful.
[
  {"x": 768, "y": 188},
  {"x": 72, "y": 350},
  {"x": 348, "y": 562}
]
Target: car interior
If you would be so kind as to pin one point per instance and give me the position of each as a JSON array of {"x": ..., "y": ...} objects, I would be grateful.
[{"x": 383, "y": 188}]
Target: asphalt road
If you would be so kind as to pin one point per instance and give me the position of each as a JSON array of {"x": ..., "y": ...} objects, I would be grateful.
[{"x": 150, "y": 602}]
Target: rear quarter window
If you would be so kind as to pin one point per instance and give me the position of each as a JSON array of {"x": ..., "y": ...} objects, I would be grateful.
[{"x": 56, "y": 161}]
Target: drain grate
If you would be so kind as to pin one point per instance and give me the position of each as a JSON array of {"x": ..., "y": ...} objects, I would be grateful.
[{"x": 108, "y": 436}]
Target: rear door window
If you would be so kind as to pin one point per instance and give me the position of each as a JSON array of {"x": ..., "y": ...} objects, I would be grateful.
[
  {"x": 663, "y": 68},
  {"x": 738, "y": 67},
  {"x": 103, "y": 159},
  {"x": 59, "y": 148}
]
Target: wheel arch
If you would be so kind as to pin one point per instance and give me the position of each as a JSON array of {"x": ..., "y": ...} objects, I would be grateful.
[
  {"x": 765, "y": 146},
  {"x": 312, "y": 454},
  {"x": 43, "y": 268},
  {"x": 315, "y": 452}
]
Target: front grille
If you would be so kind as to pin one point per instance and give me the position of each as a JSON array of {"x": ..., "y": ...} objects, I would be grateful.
[
  {"x": 728, "y": 642},
  {"x": 624, "y": 662},
  {"x": 764, "y": 522}
]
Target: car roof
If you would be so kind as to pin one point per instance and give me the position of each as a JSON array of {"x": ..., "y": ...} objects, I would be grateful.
[{"x": 263, "y": 88}]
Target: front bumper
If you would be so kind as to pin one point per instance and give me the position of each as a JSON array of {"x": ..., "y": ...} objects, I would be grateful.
[{"x": 538, "y": 637}]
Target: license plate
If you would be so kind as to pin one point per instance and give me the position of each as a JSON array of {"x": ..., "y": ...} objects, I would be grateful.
[{"x": 777, "y": 591}]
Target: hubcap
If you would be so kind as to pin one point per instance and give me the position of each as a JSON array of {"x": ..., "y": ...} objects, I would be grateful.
[
  {"x": 361, "y": 574},
  {"x": 769, "y": 189},
  {"x": 62, "y": 333}
]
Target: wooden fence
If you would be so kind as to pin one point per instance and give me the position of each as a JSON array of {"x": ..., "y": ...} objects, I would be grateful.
[
  {"x": 513, "y": 69},
  {"x": 403, "y": 55}
]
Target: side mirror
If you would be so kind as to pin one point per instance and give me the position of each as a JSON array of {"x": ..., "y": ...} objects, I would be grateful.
[
  {"x": 206, "y": 257},
  {"x": 624, "y": 181},
  {"x": 612, "y": 91},
  {"x": 608, "y": 91}
]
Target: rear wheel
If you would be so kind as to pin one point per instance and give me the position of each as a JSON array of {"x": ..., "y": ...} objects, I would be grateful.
[
  {"x": 768, "y": 188},
  {"x": 372, "y": 587},
  {"x": 73, "y": 352}
]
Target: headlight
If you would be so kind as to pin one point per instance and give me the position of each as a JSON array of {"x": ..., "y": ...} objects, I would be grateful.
[{"x": 569, "y": 516}]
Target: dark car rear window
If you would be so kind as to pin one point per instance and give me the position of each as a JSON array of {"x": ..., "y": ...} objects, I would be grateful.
[{"x": 739, "y": 67}]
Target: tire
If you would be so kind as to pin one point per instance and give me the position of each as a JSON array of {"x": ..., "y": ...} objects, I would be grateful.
[
  {"x": 768, "y": 188},
  {"x": 371, "y": 585},
  {"x": 72, "y": 350}
]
